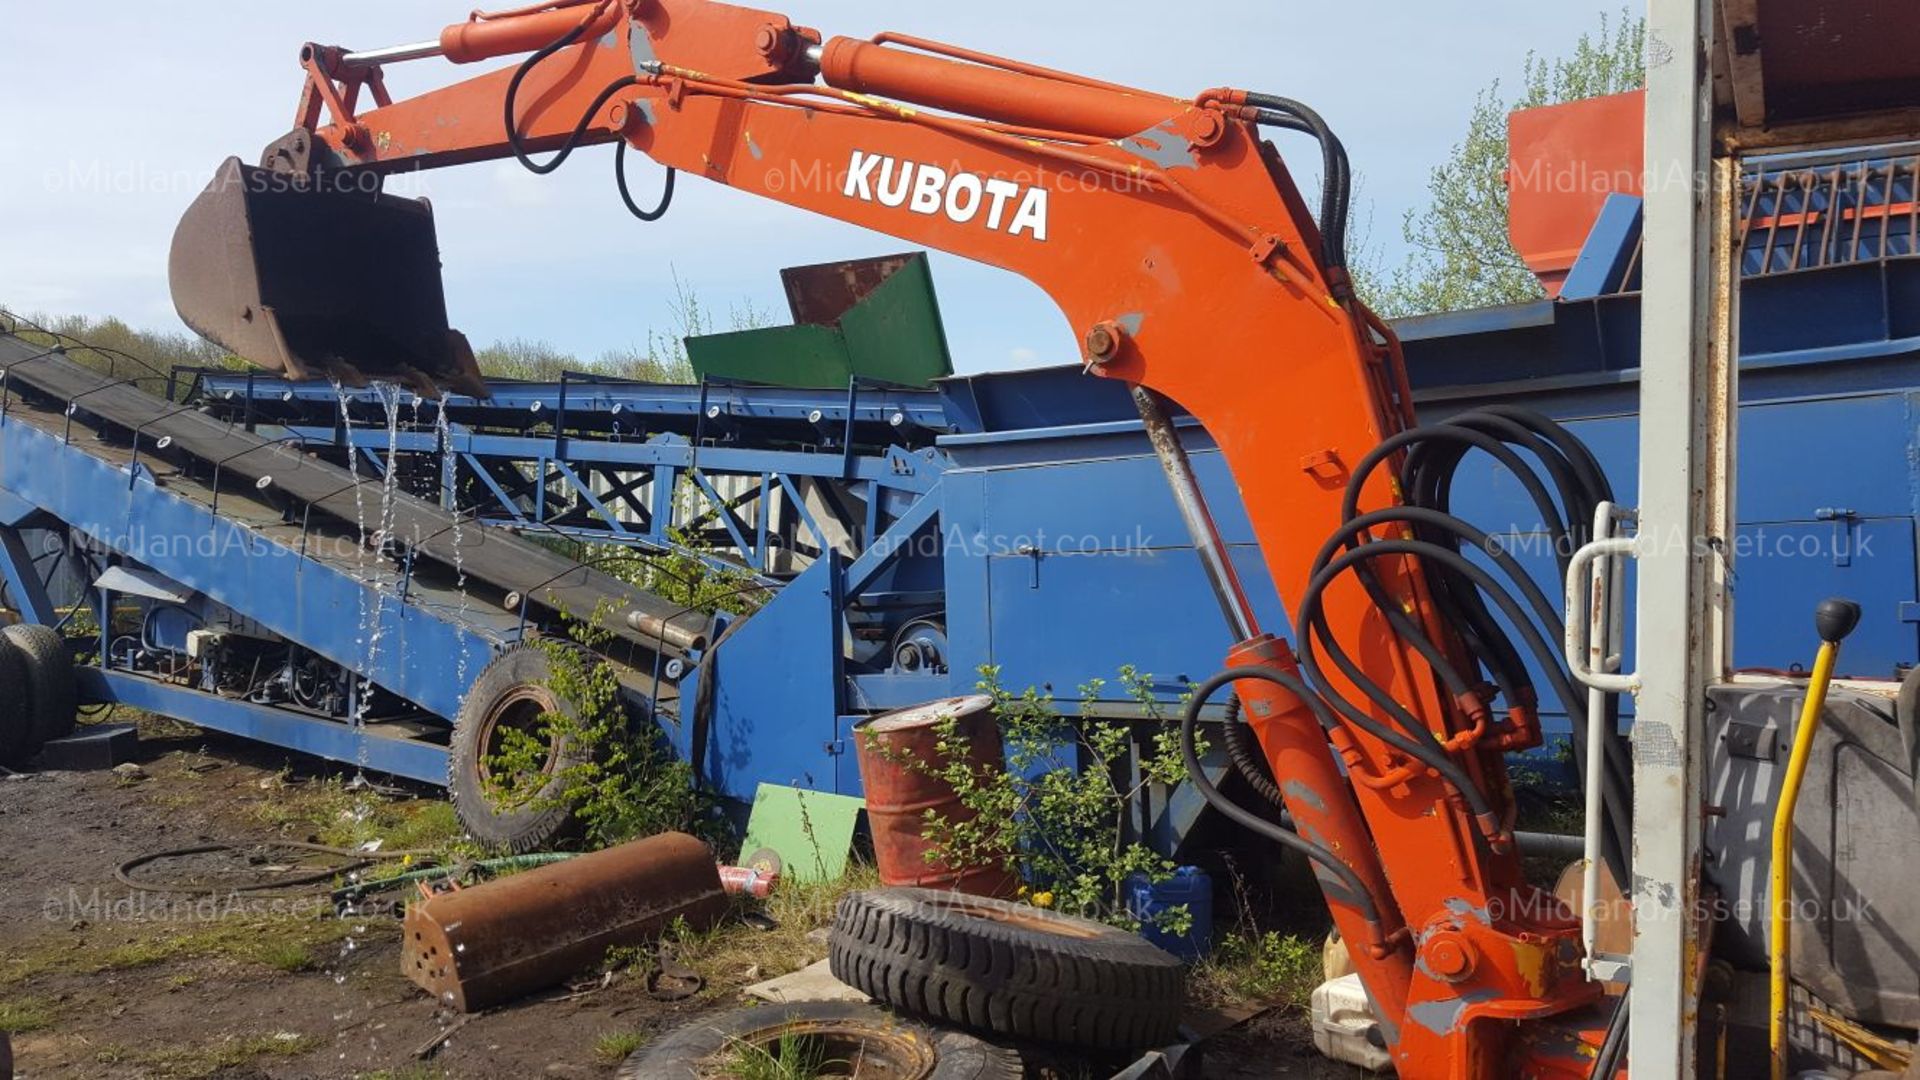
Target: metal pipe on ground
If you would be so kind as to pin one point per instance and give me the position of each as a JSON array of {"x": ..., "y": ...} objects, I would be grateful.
[{"x": 475, "y": 948}]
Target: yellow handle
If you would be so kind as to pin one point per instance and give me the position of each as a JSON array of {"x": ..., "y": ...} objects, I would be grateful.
[{"x": 1782, "y": 872}]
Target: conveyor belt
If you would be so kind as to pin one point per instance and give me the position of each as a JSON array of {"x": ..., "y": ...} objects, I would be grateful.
[
  {"x": 512, "y": 564},
  {"x": 763, "y": 415}
]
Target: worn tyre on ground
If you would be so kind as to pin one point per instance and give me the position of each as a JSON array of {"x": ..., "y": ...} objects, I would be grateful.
[
  {"x": 49, "y": 678},
  {"x": 1010, "y": 969},
  {"x": 19, "y": 736},
  {"x": 511, "y": 693},
  {"x": 835, "y": 1038}
]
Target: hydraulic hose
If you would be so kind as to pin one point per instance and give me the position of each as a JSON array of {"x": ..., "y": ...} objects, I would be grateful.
[
  {"x": 1545, "y": 616},
  {"x": 1356, "y": 887},
  {"x": 1426, "y": 753},
  {"x": 626, "y": 194},
  {"x": 1244, "y": 753},
  {"x": 1336, "y": 171},
  {"x": 514, "y": 142},
  {"x": 1427, "y": 475},
  {"x": 1431, "y": 520},
  {"x": 1613, "y": 1047}
]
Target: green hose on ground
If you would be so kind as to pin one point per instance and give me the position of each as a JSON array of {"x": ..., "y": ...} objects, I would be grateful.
[{"x": 507, "y": 864}]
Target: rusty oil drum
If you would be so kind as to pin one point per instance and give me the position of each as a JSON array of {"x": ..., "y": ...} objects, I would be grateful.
[{"x": 896, "y": 751}]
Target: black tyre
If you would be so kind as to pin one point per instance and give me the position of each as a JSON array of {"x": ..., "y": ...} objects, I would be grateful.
[
  {"x": 49, "y": 678},
  {"x": 19, "y": 738},
  {"x": 512, "y": 692},
  {"x": 1009, "y": 969},
  {"x": 834, "y": 1039}
]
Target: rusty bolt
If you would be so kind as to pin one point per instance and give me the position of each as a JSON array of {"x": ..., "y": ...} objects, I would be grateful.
[
  {"x": 1449, "y": 955},
  {"x": 1104, "y": 341},
  {"x": 1208, "y": 128}
]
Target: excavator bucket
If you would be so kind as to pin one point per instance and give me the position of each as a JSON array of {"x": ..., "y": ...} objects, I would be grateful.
[{"x": 307, "y": 278}]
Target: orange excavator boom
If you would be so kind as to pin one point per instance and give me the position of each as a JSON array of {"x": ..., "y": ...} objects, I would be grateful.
[{"x": 1173, "y": 238}]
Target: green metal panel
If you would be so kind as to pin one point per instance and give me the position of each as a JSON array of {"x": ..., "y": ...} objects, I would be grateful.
[
  {"x": 895, "y": 334},
  {"x": 807, "y": 356},
  {"x": 877, "y": 319}
]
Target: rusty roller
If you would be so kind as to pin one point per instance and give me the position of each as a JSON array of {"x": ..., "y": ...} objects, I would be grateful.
[{"x": 474, "y": 948}]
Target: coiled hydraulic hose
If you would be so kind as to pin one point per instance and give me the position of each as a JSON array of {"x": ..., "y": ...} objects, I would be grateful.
[
  {"x": 542, "y": 168},
  {"x": 1500, "y": 624},
  {"x": 1427, "y": 479},
  {"x": 1356, "y": 887}
]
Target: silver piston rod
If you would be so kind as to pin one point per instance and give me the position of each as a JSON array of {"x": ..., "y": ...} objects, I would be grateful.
[{"x": 1214, "y": 558}]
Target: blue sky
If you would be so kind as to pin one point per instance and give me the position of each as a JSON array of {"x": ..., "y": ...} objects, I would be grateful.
[{"x": 112, "y": 117}]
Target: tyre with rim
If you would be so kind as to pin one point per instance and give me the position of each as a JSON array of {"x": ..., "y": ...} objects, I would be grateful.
[
  {"x": 50, "y": 685},
  {"x": 820, "y": 1038},
  {"x": 513, "y": 814},
  {"x": 18, "y": 735},
  {"x": 1010, "y": 969}
]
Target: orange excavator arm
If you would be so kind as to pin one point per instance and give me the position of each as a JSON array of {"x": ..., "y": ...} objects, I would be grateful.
[{"x": 1172, "y": 237}]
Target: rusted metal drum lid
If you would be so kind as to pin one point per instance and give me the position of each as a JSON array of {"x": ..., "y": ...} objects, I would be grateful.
[{"x": 920, "y": 716}]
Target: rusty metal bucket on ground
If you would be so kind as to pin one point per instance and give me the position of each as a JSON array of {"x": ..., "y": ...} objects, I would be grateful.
[
  {"x": 478, "y": 947},
  {"x": 319, "y": 276},
  {"x": 900, "y": 757}
]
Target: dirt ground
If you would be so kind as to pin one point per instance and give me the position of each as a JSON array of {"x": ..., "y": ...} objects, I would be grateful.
[{"x": 98, "y": 979}]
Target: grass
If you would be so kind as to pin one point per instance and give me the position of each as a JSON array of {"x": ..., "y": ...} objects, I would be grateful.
[
  {"x": 794, "y": 1057},
  {"x": 332, "y": 815},
  {"x": 285, "y": 944},
  {"x": 208, "y": 1059},
  {"x": 19, "y": 1015},
  {"x": 734, "y": 955},
  {"x": 614, "y": 1047},
  {"x": 1258, "y": 968},
  {"x": 289, "y": 957}
]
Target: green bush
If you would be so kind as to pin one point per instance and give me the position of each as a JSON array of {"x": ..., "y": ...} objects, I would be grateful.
[
  {"x": 1058, "y": 813},
  {"x": 629, "y": 786}
]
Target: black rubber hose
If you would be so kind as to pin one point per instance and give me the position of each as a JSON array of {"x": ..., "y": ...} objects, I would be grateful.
[
  {"x": 1243, "y": 751},
  {"x": 1592, "y": 487},
  {"x": 1337, "y": 172},
  {"x": 1585, "y": 466},
  {"x": 1595, "y": 478},
  {"x": 1549, "y": 620},
  {"x": 1606, "y": 1063},
  {"x": 1549, "y": 615},
  {"x": 626, "y": 194},
  {"x": 1400, "y": 621},
  {"x": 1575, "y": 498},
  {"x": 1358, "y": 892},
  {"x": 1483, "y": 625},
  {"x": 1508, "y": 676},
  {"x": 1536, "y": 491},
  {"x": 1456, "y": 602},
  {"x": 586, "y": 118},
  {"x": 1576, "y": 451},
  {"x": 1427, "y": 482},
  {"x": 1439, "y": 762},
  {"x": 1431, "y": 470}
]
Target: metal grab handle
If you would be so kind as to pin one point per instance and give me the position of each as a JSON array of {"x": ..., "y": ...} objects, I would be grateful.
[
  {"x": 1588, "y": 603},
  {"x": 1595, "y": 634}
]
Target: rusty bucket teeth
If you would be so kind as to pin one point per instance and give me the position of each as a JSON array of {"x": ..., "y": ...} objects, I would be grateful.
[{"x": 318, "y": 276}]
